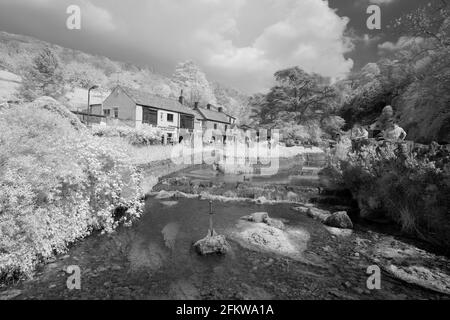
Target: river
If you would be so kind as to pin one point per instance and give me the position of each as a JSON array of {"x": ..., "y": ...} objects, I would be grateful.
[{"x": 154, "y": 259}]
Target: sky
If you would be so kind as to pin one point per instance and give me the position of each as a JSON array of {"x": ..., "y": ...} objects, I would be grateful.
[{"x": 240, "y": 43}]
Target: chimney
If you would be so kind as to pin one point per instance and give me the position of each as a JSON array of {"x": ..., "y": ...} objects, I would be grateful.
[
  {"x": 220, "y": 109},
  {"x": 181, "y": 98},
  {"x": 208, "y": 106}
]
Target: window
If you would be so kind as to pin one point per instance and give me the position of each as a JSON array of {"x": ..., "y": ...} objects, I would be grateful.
[
  {"x": 169, "y": 117},
  {"x": 149, "y": 116},
  {"x": 215, "y": 126},
  {"x": 226, "y": 127},
  {"x": 107, "y": 112},
  {"x": 186, "y": 122},
  {"x": 116, "y": 113}
]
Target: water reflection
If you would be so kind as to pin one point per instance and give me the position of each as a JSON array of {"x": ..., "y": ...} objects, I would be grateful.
[{"x": 170, "y": 232}]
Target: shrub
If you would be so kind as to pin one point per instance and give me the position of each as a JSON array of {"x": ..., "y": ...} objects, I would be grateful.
[
  {"x": 295, "y": 134},
  {"x": 144, "y": 136},
  {"x": 57, "y": 184},
  {"x": 410, "y": 189}
]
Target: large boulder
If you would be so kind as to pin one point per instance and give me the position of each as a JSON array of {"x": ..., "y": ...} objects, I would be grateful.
[
  {"x": 339, "y": 220},
  {"x": 216, "y": 244}
]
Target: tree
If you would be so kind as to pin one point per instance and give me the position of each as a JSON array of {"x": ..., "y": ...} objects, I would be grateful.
[
  {"x": 423, "y": 104},
  {"x": 298, "y": 96},
  {"x": 43, "y": 77},
  {"x": 189, "y": 78}
]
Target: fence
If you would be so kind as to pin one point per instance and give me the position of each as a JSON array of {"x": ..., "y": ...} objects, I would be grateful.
[{"x": 89, "y": 119}]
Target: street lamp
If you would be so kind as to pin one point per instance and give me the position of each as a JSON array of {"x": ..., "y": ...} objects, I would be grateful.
[{"x": 89, "y": 102}]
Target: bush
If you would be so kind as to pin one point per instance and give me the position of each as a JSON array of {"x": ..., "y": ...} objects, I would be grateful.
[
  {"x": 296, "y": 134},
  {"x": 410, "y": 189},
  {"x": 57, "y": 184},
  {"x": 144, "y": 136}
]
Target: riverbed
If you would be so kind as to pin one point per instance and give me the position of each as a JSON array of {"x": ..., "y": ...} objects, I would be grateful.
[{"x": 155, "y": 259}]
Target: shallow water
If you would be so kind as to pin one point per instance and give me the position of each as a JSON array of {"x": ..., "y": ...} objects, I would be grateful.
[
  {"x": 155, "y": 259},
  {"x": 298, "y": 171}
]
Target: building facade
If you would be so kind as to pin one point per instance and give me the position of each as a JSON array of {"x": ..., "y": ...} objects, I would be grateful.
[
  {"x": 130, "y": 107},
  {"x": 126, "y": 106},
  {"x": 213, "y": 121}
]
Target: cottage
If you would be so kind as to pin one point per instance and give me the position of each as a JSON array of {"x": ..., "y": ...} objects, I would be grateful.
[
  {"x": 132, "y": 107},
  {"x": 213, "y": 120}
]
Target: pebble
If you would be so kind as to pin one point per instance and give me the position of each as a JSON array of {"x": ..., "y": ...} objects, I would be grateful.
[{"x": 52, "y": 286}]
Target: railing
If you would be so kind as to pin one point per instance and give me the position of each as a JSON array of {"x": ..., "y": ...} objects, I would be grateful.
[{"x": 89, "y": 119}]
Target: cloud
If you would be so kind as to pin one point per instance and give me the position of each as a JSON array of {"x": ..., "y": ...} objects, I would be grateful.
[
  {"x": 96, "y": 18},
  {"x": 402, "y": 43},
  {"x": 305, "y": 33},
  {"x": 238, "y": 42}
]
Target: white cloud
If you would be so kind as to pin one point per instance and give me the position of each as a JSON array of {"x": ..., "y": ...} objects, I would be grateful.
[
  {"x": 96, "y": 18},
  {"x": 402, "y": 42},
  {"x": 239, "y": 42},
  {"x": 309, "y": 34}
]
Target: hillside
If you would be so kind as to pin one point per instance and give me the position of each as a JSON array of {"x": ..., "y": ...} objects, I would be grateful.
[{"x": 81, "y": 70}]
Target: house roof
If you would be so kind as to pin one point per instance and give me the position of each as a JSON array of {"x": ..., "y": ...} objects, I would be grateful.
[
  {"x": 150, "y": 100},
  {"x": 213, "y": 115},
  {"x": 198, "y": 115}
]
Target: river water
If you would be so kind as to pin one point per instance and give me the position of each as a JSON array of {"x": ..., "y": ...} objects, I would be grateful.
[{"x": 155, "y": 259}]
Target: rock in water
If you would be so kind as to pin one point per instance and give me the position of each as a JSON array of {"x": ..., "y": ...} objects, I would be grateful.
[
  {"x": 339, "y": 220},
  {"x": 162, "y": 195},
  {"x": 301, "y": 209},
  {"x": 258, "y": 217},
  {"x": 318, "y": 214},
  {"x": 216, "y": 244},
  {"x": 263, "y": 217}
]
